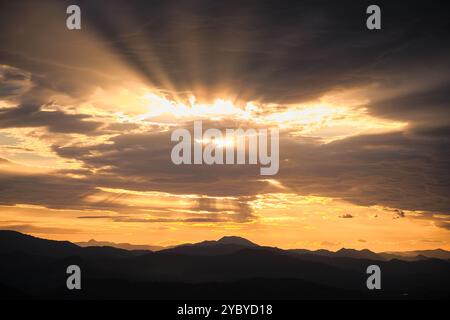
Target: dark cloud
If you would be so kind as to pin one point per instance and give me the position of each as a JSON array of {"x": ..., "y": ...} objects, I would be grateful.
[
  {"x": 273, "y": 51},
  {"x": 31, "y": 115},
  {"x": 13, "y": 82},
  {"x": 59, "y": 191},
  {"x": 270, "y": 50},
  {"x": 161, "y": 220},
  {"x": 346, "y": 216},
  {"x": 391, "y": 169},
  {"x": 421, "y": 106},
  {"x": 157, "y": 220},
  {"x": 436, "y": 132},
  {"x": 51, "y": 191},
  {"x": 443, "y": 224},
  {"x": 19, "y": 87},
  {"x": 397, "y": 170},
  {"x": 144, "y": 159},
  {"x": 399, "y": 214},
  {"x": 57, "y": 60}
]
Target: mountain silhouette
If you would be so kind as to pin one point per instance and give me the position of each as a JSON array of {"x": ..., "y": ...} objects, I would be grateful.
[
  {"x": 348, "y": 253},
  {"x": 228, "y": 268},
  {"x": 225, "y": 245},
  {"x": 16, "y": 242},
  {"x": 12, "y": 241},
  {"x": 437, "y": 253},
  {"x": 359, "y": 254},
  {"x": 126, "y": 246},
  {"x": 237, "y": 241}
]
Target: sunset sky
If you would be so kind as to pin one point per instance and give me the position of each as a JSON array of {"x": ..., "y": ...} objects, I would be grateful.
[{"x": 364, "y": 118}]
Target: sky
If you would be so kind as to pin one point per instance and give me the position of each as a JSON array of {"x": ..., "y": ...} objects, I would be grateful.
[{"x": 86, "y": 118}]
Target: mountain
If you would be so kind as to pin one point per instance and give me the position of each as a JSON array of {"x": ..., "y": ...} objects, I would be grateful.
[
  {"x": 437, "y": 253},
  {"x": 15, "y": 242},
  {"x": 227, "y": 240},
  {"x": 237, "y": 241},
  {"x": 358, "y": 254},
  {"x": 225, "y": 245},
  {"x": 126, "y": 246},
  {"x": 228, "y": 268},
  {"x": 380, "y": 256},
  {"x": 12, "y": 241},
  {"x": 348, "y": 253}
]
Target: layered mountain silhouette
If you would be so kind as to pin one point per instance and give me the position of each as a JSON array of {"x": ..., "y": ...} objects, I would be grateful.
[
  {"x": 126, "y": 246},
  {"x": 229, "y": 268}
]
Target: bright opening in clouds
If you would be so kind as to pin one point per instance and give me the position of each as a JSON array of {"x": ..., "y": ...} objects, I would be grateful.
[{"x": 86, "y": 118}]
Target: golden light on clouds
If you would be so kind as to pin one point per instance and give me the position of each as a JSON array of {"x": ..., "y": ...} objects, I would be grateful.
[
  {"x": 137, "y": 108},
  {"x": 285, "y": 219},
  {"x": 85, "y": 136}
]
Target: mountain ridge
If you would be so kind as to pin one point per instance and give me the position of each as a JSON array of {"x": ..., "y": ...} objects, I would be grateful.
[
  {"x": 120, "y": 245},
  {"x": 37, "y": 267},
  {"x": 225, "y": 244}
]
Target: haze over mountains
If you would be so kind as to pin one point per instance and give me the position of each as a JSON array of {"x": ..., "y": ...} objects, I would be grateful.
[{"x": 231, "y": 267}]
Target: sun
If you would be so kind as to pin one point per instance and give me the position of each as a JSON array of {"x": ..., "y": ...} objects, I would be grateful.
[{"x": 218, "y": 142}]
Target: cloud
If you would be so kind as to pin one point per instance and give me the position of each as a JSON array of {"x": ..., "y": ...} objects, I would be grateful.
[
  {"x": 387, "y": 169},
  {"x": 251, "y": 51},
  {"x": 399, "y": 214},
  {"x": 443, "y": 224},
  {"x": 346, "y": 216},
  {"x": 157, "y": 220},
  {"x": 365, "y": 170},
  {"x": 264, "y": 51},
  {"x": 47, "y": 190},
  {"x": 329, "y": 244},
  {"x": 101, "y": 217},
  {"x": 29, "y": 99},
  {"x": 13, "y": 82},
  {"x": 31, "y": 115}
]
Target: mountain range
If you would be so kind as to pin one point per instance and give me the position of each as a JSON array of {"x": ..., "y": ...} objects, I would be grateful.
[
  {"x": 231, "y": 267},
  {"x": 126, "y": 246},
  {"x": 236, "y": 242}
]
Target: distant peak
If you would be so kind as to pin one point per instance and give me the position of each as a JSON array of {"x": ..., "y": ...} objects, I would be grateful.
[
  {"x": 236, "y": 240},
  {"x": 354, "y": 250},
  {"x": 346, "y": 250},
  {"x": 362, "y": 254}
]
